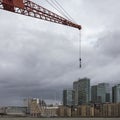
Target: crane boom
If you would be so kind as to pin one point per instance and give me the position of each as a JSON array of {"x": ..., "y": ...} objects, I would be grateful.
[{"x": 29, "y": 8}]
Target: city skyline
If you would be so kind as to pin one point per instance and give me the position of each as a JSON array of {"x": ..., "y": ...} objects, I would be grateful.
[{"x": 85, "y": 93}]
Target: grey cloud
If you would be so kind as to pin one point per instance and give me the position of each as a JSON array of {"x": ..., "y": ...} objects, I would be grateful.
[
  {"x": 38, "y": 59},
  {"x": 109, "y": 43}
]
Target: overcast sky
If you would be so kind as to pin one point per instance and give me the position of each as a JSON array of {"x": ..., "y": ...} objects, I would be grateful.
[{"x": 40, "y": 59}]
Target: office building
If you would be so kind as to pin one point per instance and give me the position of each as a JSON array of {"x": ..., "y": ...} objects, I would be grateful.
[
  {"x": 82, "y": 91},
  {"x": 75, "y": 88},
  {"x": 68, "y": 97},
  {"x": 100, "y": 93},
  {"x": 94, "y": 94},
  {"x": 116, "y": 94}
]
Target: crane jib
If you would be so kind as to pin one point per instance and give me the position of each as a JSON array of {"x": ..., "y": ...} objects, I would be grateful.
[{"x": 29, "y": 8}]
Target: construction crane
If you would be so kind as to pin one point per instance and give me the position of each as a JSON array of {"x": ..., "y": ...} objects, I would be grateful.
[{"x": 29, "y": 8}]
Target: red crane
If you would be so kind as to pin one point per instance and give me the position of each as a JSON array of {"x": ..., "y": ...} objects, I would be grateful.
[{"x": 29, "y": 8}]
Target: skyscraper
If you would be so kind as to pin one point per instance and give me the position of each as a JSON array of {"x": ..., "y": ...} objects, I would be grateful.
[
  {"x": 94, "y": 94},
  {"x": 68, "y": 97},
  {"x": 116, "y": 94},
  {"x": 100, "y": 93},
  {"x": 82, "y": 91},
  {"x": 75, "y": 88}
]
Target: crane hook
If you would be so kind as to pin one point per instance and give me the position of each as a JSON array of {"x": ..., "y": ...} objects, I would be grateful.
[{"x": 80, "y": 62}]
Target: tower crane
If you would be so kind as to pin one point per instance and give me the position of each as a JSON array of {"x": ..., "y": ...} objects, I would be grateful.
[{"x": 29, "y": 8}]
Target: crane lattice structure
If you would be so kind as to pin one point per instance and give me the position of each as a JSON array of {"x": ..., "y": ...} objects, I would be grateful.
[{"x": 29, "y": 8}]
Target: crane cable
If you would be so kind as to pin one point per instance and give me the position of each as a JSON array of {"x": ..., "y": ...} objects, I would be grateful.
[
  {"x": 58, "y": 9},
  {"x": 55, "y": 4},
  {"x": 62, "y": 9},
  {"x": 80, "y": 49}
]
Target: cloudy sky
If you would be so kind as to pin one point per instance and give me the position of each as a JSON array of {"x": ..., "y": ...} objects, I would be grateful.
[{"x": 40, "y": 59}]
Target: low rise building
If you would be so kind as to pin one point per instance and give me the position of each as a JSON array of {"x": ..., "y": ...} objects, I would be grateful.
[
  {"x": 16, "y": 111},
  {"x": 36, "y": 107},
  {"x": 64, "y": 111},
  {"x": 51, "y": 111},
  {"x": 91, "y": 110}
]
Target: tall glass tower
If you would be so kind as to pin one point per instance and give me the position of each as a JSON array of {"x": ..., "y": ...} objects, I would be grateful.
[
  {"x": 82, "y": 91},
  {"x": 68, "y": 97},
  {"x": 116, "y": 94},
  {"x": 100, "y": 93}
]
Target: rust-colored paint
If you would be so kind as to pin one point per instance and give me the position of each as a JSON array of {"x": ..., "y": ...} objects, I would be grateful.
[
  {"x": 14, "y": 3},
  {"x": 8, "y": 5},
  {"x": 8, "y": 2},
  {"x": 18, "y": 3}
]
